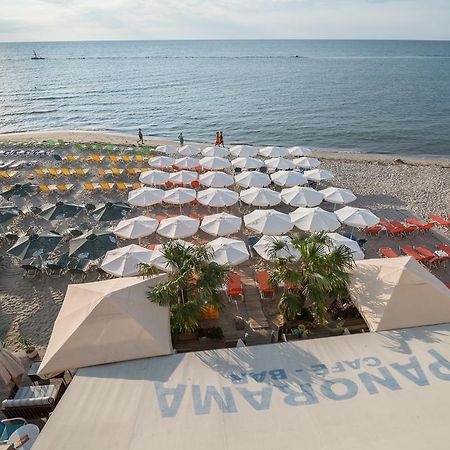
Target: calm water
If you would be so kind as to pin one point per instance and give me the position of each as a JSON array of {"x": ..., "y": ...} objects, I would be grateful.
[{"x": 369, "y": 96}]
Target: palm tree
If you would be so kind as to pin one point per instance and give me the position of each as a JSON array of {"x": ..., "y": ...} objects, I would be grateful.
[
  {"x": 194, "y": 281},
  {"x": 322, "y": 272}
]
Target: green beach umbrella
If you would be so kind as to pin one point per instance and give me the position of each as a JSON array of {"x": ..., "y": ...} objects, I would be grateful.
[
  {"x": 93, "y": 244},
  {"x": 35, "y": 245},
  {"x": 19, "y": 190},
  {"x": 8, "y": 213},
  {"x": 111, "y": 211},
  {"x": 60, "y": 211}
]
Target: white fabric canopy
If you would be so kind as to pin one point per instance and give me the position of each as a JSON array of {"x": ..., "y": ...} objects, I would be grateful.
[
  {"x": 249, "y": 178},
  {"x": 145, "y": 196},
  {"x": 306, "y": 163},
  {"x": 273, "y": 152},
  {"x": 318, "y": 175},
  {"x": 279, "y": 164},
  {"x": 222, "y": 224},
  {"x": 243, "y": 150},
  {"x": 268, "y": 221},
  {"x": 386, "y": 391},
  {"x": 337, "y": 240},
  {"x": 301, "y": 196},
  {"x": 189, "y": 150},
  {"x": 158, "y": 259},
  {"x": 187, "y": 163},
  {"x": 314, "y": 219},
  {"x": 104, "y": 322},
  {"x": 338, "y": 196},
  {"x": 357, "y": 217},
  {"x": 153, "y": 177},
  {"x": 247, "y": 163},
  {"x": 217, "y": 197},
  {"x": 136, "y": 228},
  {"x": 264, "y": 245},
  {"x": 260, "y": 197},
  {"x": 183, "y": 176},
  {"x": 299, "y": 151},
  {"x": 288, "y": 178},
  {"x": 216, "y": 179},
  {"x": 124, "y": 261},
  {"x": 214, "y": 163},
  {"x": 11, "y": 369},
  {"x": 229, "y": 251},
  {"x": 215, "y": 151},
  {"x": 167, "y": 149},
  {"x": 161, "y": 161},
  {"x": 179, "y": 196},
  {"x": 178, "y": 227},
  {"x": 393, "y": 293}
]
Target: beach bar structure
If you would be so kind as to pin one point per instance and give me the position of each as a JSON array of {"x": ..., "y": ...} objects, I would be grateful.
[{"x": 388, "y": 390}]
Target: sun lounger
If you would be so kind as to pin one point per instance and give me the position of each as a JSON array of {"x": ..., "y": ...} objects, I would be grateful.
[
  {"x": 101, "y": 172},
  {"x": 9, "y": 426},
  {"x": 420, "y": 225},
  {"x": 90, "y": 186},
  {"x": 131, "y": 171},
  {"x": 127, "y": 158},
  {"x": 106, "y": 186},
  {"x": 387, "y": 252},
  {"x": 136, "y": 185},
  {"x": 410, "y": 251},
  {"x": 122, "y": 186},
  {"x": 44, "y": 188},
  {"x": 53, "y": 172},
  {"x": 139, "y": 158},
  {"x": 116, "y": 171},
  {"x": 252, "y": 240},
  {"x": 234, "y": 285},
  {"x": 40, "y": 171},
  {"x": 391, "y": 229},
  {"x": 427, "y": 254},
  {"x": 439, "y": 220},
  {"x": 262, "y": 279},
  {"x": 71, "y": 158},
  {"x": 64, "y": 187},
  {"x": 96, "y": 158},
  {"x": 81, "y": 172}
]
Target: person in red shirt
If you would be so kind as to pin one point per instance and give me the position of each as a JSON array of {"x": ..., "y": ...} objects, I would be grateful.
[
  {"x": 217, "y": 143},
  {"x": 221, "y": 140}
]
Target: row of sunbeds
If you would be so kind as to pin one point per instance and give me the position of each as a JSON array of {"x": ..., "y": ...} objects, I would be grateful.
[{"x": 420, "y": 253}]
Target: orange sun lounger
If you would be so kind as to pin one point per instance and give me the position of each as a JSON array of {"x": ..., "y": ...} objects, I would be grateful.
[
  {"x": 421, "y": 225},
  {"x": 410, "y": 251},
  {"x": 439, "y": 220},
  {"x": 234, "y": 285},
  {"x": 387, "y": 252},
  {"x": 262, "y": 278}
]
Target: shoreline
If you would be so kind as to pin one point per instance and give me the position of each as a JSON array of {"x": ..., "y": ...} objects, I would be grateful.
[{"x": 105, "y": 137}]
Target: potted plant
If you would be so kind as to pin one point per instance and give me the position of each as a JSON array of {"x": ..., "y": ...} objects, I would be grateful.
[{"x": 28, "y": 347}]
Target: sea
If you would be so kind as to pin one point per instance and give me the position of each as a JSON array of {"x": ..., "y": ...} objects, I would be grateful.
[{"x": 386, "y": 97}]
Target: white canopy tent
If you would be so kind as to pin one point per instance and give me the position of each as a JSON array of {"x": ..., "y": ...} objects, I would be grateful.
[
  {"x": 314, "y": 219},
  {"x": 154, "y": 177},
  {"x": 161, "y": 162},
  {"x": 298, "y": 151},
  {"x": 243, "y": 150},
  {"x": 264, "y": 245},
  {"x": 288, "y": 178},
  {"x": 357, "y": 217},
  {"x": 178, "y": 227},
  {"x": 306, "y": 163},
  {"x": 136, "y": 228},
  {"x": 216, "y": 179},
  {"x": 183, "y": 176},
  {"x": 215, "y": 151},
  {"x": 158, "y": 259},
  {"x": 145, "y": 196},
  {"x": 393, "y": 293},
  {"x": 125, "y": 261},
  {"x": 217, "y": 197},
  {"x": 260, "y": 197},
  {"x": 247, "y": 163},
  {"x": 301, "y": 196},
  {"x": 279, "y": 164},
  {"x": 186, "y": 163},
  {"x": 385, "y": 390},
  {"x": 268, "y": 221},
  {"x": 167, "y": 149},
  {"x": 229, "y": 251},
  {"x": 273, "y": 152},
  {"x": 107, "y": 321},
  {"x": 214, "y": 163},
  {"x": 221, "y": 224},
  {"x": 188, "y": 150},
  {"x": 247, "y": 179},
  {"x": 337, "y": 240}
]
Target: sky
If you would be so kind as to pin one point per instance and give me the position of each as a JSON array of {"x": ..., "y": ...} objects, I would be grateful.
[{"x": 74, "y": 20}]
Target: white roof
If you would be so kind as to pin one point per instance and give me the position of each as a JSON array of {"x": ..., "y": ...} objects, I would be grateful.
[
  {"x": 386, "y": 391},
  {"x": 399, "y": 292}
]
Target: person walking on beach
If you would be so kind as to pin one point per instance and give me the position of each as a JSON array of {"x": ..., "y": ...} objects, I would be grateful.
[
  {"x": 181, "y": 139},
  {"x": 141, "y": 137},
  {"x": 217, "y": 143},
  {"x": 221, "y": 144}
]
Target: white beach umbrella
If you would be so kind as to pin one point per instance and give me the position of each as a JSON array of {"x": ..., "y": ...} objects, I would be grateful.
[
  {"x": 158, "y": 260},
  {"x": 314, "y": 219},
  {"x": 186, "y": 163},
  {"x": 188, "y": 150},
  {"x": 338, "y": 196},
  {"x": 357, "y": 217},
  {"x": 124, "y": 261},
  {"x": 161, "y": 161},
  {"x": 249, "y": 178},
  {"x": 318, "y": 175},
  {"x": 167, "y": 149},
  {"x": 229, "y": 251},
  {"x": 136, "y": 228},
  {"x": 216, "y": 179},
  {"x": 264, "y": 245},
  {"x": 154, "y": 177},
  {"x": 178, "y": 227},
  {"x": 179, "y": 196},
  {"x": 337, "y": 240},
  {"x": 273, "y": 152},
  {"x": 268, "y": 221},
  {"x": 217, "y": 197},
  {"x": 260, "y": 197},
  {"x": 222, "y": 224},
  {"x": 183, "y": 176},
  {"x": 243, "y": 150},
  {"x": 145, "y": 196},
  {"x": 301, "y": 196},
  {"x": 247, "y": 163},
  {"x": 222, "y": 152},
  {"x": 279, "y": 164},
  {"x": 214, "y": 163},
  {"x": 306, "y": 163},
  {"x": 299, "y": 151},
  {"x": 288, "y": 178}
]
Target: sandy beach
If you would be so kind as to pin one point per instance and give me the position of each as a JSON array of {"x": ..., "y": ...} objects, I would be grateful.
[{"x": 392, "y": 187}]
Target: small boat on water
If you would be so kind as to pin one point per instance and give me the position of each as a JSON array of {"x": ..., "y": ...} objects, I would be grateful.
[{"x": 36, "y": 56}]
